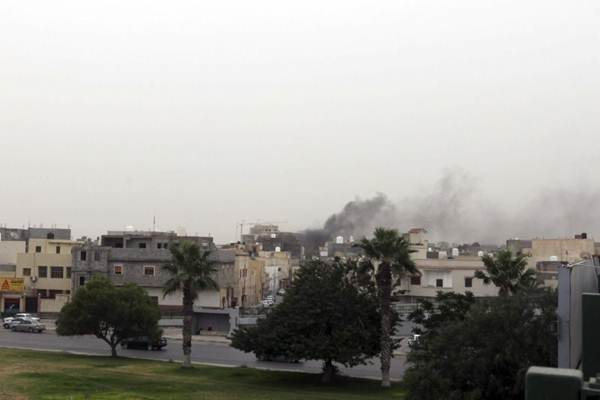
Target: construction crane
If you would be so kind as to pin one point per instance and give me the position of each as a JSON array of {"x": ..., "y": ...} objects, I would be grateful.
[{"x": 244, "y": 223}]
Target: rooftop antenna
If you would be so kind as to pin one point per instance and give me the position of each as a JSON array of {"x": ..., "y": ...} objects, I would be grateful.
[{"x": 154, "y": 223}]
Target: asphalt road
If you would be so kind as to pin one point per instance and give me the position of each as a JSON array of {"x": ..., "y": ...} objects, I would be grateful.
[{"x": 206, "y": 353}]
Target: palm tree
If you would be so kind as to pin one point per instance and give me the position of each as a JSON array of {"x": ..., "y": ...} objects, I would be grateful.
[
  {"x": 389, "y": 259},
  {"x": 190, "y": 269},
  {"x": 509, "y": 273}
]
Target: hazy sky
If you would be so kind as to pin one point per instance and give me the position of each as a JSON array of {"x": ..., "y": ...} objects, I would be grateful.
[{"x": 206, "y": 113}]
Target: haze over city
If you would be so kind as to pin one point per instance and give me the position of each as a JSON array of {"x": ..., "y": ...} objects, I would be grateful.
[{"x": 205, "y": 115}]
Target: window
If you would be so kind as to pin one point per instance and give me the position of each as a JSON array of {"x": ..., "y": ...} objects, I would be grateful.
[
  {"x": 83, "y": 255},
  {"x": 38, "y": 249},
  {"x": 50, "y": 235},
  {"x": 68, "y": 272},
  {"x": 53, "y": 293},
  {"x": 43, "y": 293},
  {"x": 96, "y": 256},
  {"x": 57, "y": 272},
  {"x": 118, "y": 269},
  {"x": 26, "y": 271},
  {"x": 159, "y": 245},
  {"x": 439, "y": 283},
  {"x": 81, "y": 280},
  {"x": 415, "y": 280},
  {"x": 57, "y": 249},
  {"x": 142, "y": 245},
  {"x": 43, "y": 272},
  {"x": 468, "y": 282},
  {"x": 149, "y": 271},
  {"x": 154, "y": 299}
]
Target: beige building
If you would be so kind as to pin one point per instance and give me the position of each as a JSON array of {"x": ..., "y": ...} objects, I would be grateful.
[
  {"x": 278, "y": 270},
  {"x": 446, "y": 275},
  {"x": 547, "y": 255},
  {"x": 10, "y": 296},
  {"x": 46, "y": 270}
]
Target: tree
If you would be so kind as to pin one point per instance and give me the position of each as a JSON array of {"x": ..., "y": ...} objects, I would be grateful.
[
  {"x": 110, "y": 313},
  {"x": 509, "y": 273},
  {"x": 448, "y": 307},
  {"x": 191, "y": 272},
  {"x": 479, "y": 350},
  {"x": 323, "y": 316},
  {"x": 388, "y": 256}
]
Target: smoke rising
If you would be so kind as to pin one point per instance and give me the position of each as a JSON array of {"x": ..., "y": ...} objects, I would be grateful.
[{"x": 455, "y": 211}]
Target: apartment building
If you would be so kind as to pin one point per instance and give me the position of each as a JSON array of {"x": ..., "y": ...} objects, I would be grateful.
[
  {"x": 446, "y": 275},
  {"x": 46, "y": 270},
  {"x": 22, "y": 253},
  {"x": 547, "y": 255},
  {"x": 138, "y": 256}
]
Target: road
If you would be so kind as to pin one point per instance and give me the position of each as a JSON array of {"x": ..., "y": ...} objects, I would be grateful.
[{"x": 206, "y": 353}]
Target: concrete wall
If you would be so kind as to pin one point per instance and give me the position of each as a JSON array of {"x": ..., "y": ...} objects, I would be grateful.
[
  {"x": 53, "y": 305},
  {"x": 569, "y": 250},
  {"x": 9, "y": 251}
]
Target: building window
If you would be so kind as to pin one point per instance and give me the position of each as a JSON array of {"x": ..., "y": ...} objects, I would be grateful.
[
  {"x": 57, "y": 272},
  {"x": 68, "y": 272},
  {"x": 468, "y": 282},
  {"x": 154, "y": 299},
  {"x": 43, "y": 272},
  {"x": 50, "y": 235},
  {"x": 57, "y": 249},
  {"x": 83, "y": 255},
  {"x": 96, "y": 256},
  {"x": 439, "y": 283},
  {"x": 118, "y": 269},
  {"x": 415, "y": 280},
  {"x": 81, "y": 280},
  {"x": 26, "y": 271},
  {"x": 149, "y": 271},
  {"x": 159, "y": 245},
  {"x": 142, "y": 245},
  {"x": 43, "y": 293},
  {"x": 53, "y": 293},
  {"x": 38, "y": 249}
]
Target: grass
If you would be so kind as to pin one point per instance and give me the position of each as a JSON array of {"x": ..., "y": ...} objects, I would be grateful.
[{"x": 46, "y": 375}]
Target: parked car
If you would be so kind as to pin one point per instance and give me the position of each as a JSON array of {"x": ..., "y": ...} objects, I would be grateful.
[
  {"x": 28, "y": 325},
  {"x": 145, "y": 343},
  {"x": 12, "y": 322},
  {"x": 413, "y": 339},
  {"x": 267, "y": 303},
  {"x": 27, "y": 316}
]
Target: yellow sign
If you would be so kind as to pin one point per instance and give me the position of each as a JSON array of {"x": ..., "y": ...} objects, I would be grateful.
[{"x": 11, "y": 285}]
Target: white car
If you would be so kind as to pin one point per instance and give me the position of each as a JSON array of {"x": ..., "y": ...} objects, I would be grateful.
[
  {"x": 268, "y": 302},
  {"x": 8, "y": 320}
]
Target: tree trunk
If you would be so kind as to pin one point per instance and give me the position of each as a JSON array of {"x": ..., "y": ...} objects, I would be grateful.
[
  {"x": 113, "y": 350},
  {"x": 328, "y": 371},
  {"x": 384, "y": 276},
  {"x": 188, "y": 313}
]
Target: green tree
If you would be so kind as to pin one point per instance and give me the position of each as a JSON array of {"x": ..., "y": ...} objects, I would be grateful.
[
  {"x": 323, "y": 316},
  {"x": 191, "y": 271},
  {"x": 110, "y": 313},
  {"x": 476, "y": 350},
  {"x": 388, "y": 260},
  {"x": 508, "y": 272}
]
